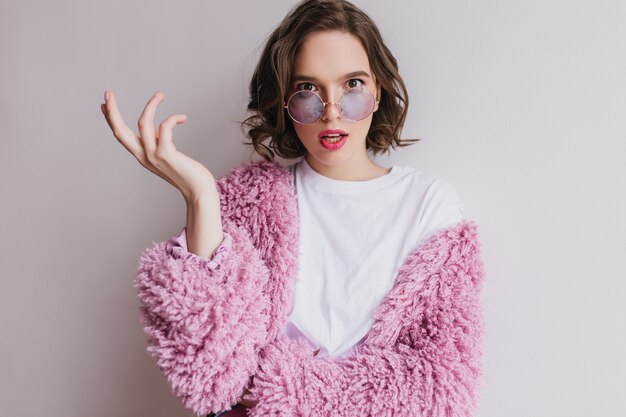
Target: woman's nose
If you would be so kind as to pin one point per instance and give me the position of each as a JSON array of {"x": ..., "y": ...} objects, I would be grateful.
[{"x": 331, "y": 110}]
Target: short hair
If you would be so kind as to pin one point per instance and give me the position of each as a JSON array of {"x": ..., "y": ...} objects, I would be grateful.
[{"x": 272, "y": 76}]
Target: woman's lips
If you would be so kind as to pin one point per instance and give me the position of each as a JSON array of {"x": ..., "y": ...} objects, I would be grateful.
[
  {"x": 331, "y": 132},
  {"x": 333, "y": 146}
]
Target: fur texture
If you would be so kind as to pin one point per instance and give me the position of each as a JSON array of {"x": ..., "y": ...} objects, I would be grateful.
[{"x": 214, "y": 325}]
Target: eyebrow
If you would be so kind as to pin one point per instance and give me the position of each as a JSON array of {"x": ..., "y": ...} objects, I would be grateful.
[{"x": 350, "y": 75}]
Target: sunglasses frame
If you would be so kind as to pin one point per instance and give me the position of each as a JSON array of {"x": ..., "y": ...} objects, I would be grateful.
[{"x": 324, "y": 103}]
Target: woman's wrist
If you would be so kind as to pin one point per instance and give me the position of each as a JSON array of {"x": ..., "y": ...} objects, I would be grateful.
[{"x": 204, "y": 225}]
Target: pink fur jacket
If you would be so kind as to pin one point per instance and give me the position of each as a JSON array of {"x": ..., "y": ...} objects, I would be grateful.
[{"x": 216, "y": 328}]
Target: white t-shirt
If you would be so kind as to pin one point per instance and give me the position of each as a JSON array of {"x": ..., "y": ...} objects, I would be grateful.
[{"x": 354, "y": 237}]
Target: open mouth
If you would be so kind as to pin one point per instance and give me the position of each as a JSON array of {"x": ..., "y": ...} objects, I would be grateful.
[
  {"x": 334, "y": 137},
  {"x": 333, "y": 142}
]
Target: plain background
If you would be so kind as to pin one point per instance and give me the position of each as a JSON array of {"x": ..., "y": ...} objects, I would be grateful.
[{"x": 519, "y": 104}]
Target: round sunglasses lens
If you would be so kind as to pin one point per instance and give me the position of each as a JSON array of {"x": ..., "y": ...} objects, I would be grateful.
[
  {"x": 305, "y": 107},
  {"x": 357, "y": 104}
]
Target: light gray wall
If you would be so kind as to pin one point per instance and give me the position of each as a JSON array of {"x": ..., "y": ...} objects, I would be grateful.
[{"x": 520, "y": 105}]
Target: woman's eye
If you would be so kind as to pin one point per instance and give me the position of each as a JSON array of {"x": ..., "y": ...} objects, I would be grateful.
[
  {"x": 304, "y": 84},
  {"x": 351, "y": 83}
]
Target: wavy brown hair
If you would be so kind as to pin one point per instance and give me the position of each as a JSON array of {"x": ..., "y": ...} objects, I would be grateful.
[{"x": 272, "y": 76}]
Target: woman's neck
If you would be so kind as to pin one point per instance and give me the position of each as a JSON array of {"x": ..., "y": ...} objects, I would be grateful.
[{"x": 363, "y": 170}]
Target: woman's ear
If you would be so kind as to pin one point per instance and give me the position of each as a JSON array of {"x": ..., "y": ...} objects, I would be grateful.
[{"x": 378, "y": 92}]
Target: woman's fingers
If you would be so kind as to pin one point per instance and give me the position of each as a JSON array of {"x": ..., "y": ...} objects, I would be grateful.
[
  {"x": 146, "y": 123},
  {"x": 165, "y": 143},
  {"x": 156, "y": 153},
  {"x": 123, "y": 133}
]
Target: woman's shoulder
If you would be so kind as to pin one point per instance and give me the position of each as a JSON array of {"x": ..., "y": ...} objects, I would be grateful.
[
  {"x": 437, "y": 202},
  {"x": 440, "y": 189},
  {"x": 430, "y": 186},
  {"x": 255, "y": 176},
  {"x": 255, "y": 188},
  {"x": 260, "y": 169}
]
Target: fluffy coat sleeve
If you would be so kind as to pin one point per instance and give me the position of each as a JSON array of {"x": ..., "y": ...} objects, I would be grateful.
[
  {"x": 208, "y": 318},
  {"x": 421, "y": 358}
]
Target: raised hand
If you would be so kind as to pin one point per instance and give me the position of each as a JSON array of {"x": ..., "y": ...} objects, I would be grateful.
[{"x": 155, "y": 150}]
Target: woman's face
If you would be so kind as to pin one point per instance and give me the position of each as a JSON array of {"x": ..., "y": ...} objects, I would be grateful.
[{"x": 329, "y": 63}]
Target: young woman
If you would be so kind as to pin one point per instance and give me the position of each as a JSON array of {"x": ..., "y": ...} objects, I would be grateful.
[{"x": 333, "y": 286}]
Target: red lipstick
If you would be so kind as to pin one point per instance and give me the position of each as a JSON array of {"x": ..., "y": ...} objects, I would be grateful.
[
  {"x": 332, "y": 132},
  {"x": 333, "y": 139}
]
